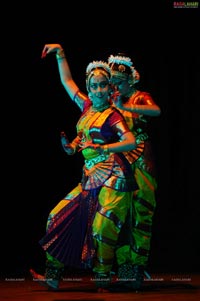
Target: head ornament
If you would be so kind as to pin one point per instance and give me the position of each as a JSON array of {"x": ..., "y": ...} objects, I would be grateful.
[
  {"x": 100, "y": 66},
  {"x": 120, "y": 64},
  {"x": 96, "y": 65},
  {"x": 120, "y": 60}
]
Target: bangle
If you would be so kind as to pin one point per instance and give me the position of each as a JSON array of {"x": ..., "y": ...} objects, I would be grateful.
[
  {"x": 60, "y": 54},
  {"x": 106, "y": 149},
  {"x": 75, "y": 95}
]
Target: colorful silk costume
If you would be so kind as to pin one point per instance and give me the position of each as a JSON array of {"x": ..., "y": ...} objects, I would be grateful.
[
  {"x": 91, "y": 216},
  {"x": 135, "y": 247}
]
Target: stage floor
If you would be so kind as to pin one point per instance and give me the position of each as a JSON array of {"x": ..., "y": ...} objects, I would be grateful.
[{"x": 172, "y": 287}]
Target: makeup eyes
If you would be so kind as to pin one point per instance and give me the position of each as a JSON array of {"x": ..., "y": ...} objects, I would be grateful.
[{"x": 101, "y": 85}]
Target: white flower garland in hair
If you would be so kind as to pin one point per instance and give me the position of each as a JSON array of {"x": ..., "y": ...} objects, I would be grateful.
[
  {"x": 117, "y": 59},
  {"x": 97, "y": 64},
  {"x": 124, "y": 60}
]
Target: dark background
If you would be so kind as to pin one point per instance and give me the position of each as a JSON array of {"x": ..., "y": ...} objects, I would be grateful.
[{"x": 37, "y": 174}]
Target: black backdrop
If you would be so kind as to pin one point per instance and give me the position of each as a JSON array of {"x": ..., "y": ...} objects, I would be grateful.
[{"x": 163, "y": 43}]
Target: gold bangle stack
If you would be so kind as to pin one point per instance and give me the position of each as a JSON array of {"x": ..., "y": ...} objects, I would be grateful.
[{"x": 60, "y": 54}]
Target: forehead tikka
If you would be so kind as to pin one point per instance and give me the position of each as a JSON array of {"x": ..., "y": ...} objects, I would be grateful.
[{"x": 121, "y": 68}]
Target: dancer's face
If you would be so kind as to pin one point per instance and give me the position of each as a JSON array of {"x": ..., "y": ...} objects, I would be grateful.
[
  {"x": 121, "y": 85},
  {"x": 99, "y": 88}
]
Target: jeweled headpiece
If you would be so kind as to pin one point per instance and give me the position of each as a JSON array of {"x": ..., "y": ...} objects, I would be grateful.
[
  {"x": 100, "y": 66},
  {"x": 121, "y": 66}
]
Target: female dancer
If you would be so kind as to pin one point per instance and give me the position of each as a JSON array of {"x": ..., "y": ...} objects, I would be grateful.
[
  {"x": 137, "y": 107},
  {"x": 83, "y": 228}
]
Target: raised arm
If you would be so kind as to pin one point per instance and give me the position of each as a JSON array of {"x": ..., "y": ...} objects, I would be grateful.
[{"x": 65, "y": 73}]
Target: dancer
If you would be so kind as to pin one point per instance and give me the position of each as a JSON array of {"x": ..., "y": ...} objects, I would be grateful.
[
  {"x": 137, "y": 107},
  {"x": 83, "y": 228}
]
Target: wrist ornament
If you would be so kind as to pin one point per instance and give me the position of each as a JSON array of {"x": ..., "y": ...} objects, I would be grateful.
[
  {"x": 105, "y": 149},
  {"x": 60, "y": 54},
  {"x": 74, "y": 148}
]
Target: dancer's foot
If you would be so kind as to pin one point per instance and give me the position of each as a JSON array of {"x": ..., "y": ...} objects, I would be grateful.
[
  {"x": 102, "y": 282},
  {"x": 130, "y": 276},
  {"x": 51, "y": 284}
]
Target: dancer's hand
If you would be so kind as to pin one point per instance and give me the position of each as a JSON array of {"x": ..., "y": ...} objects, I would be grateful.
[
  {"x": 116, "y": 99},
  {"x": 65, "y": 144},
  {"x": 89, "y": 144},
  {"x": 50, "y": 48}
]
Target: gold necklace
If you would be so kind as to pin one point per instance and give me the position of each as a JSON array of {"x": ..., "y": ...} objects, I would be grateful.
[{"x": 101, "y": 108}]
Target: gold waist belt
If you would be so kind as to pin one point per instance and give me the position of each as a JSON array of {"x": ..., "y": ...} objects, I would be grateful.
[{"x": 89, "y": 163}]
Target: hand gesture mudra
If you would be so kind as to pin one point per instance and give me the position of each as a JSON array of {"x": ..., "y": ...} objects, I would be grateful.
[{"x": 50, "y": 48}]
